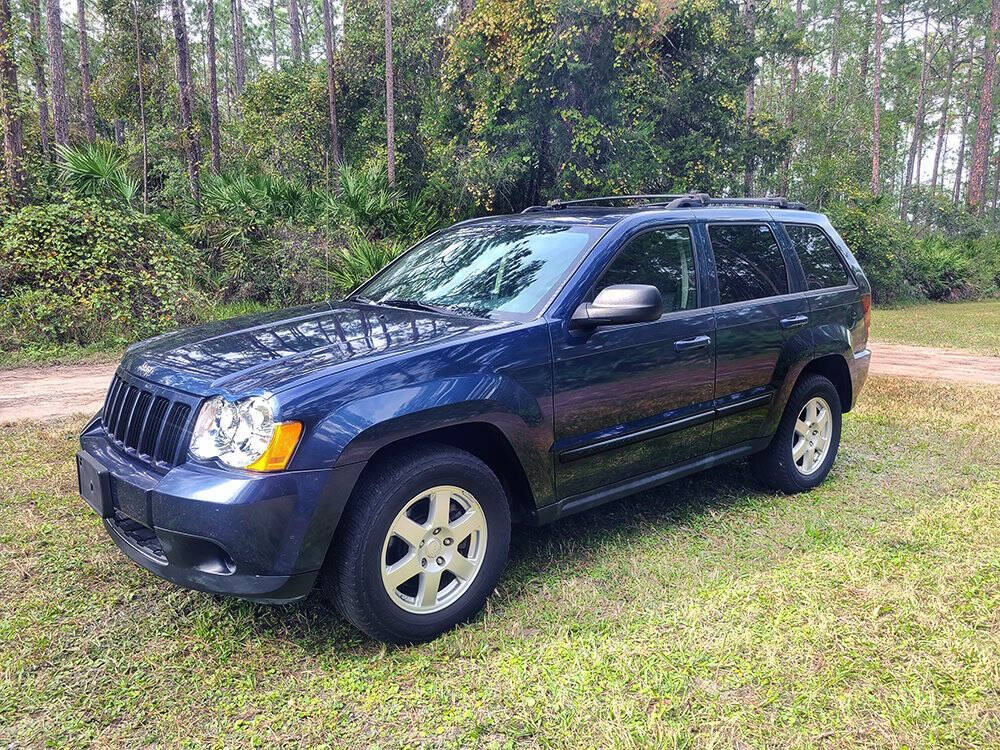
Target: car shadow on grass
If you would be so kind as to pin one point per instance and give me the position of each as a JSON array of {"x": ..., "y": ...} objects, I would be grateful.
[{"x": 555, "y": 550}]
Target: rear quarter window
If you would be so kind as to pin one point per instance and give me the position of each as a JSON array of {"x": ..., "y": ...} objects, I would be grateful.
[{"x": 821, "y": 263}]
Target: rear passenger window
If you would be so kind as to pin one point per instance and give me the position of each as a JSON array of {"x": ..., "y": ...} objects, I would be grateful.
[
  {"x": 748, "y": 262},
  {"x": 662, "y": 258},
  {"x": 820, "y": 261}
]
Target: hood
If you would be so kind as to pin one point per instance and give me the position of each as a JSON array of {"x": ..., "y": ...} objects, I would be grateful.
[{"x": 264, "y": 352}]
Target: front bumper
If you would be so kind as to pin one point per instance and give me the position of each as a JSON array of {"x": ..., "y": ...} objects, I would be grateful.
[{"x": 256, "y": 536}]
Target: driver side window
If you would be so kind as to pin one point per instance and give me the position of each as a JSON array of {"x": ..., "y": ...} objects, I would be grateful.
[{"x": 663, "y": 258}]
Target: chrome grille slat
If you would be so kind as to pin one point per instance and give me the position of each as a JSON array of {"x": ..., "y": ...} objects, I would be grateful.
[{"x": 146, "y": 422}]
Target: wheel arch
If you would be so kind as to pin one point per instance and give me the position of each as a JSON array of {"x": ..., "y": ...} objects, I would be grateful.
[
  {"x": 485, "y": 441},
  {"x": 834, "y": 368}
]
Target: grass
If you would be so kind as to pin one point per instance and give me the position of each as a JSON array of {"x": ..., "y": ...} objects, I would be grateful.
[
  {"x": 40, "y": 355},
  {"x": 704, "y": 614},
  {"x": 972, "y": 326}
]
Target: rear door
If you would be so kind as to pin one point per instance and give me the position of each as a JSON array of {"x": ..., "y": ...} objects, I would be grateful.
[
  {"x": 759, "y": 306},
  {"x": 631, "y": 399},
  {"x": 834, "y": 299}
]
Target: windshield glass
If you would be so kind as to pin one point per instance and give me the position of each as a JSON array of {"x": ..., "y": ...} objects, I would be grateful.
[{"x": 484, "y": 268}]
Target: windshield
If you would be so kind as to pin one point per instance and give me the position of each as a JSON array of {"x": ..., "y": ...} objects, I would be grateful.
[{"x": 484, "y": 268}]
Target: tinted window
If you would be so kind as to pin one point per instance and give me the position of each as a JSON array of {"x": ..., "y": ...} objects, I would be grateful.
[
  {"x": 748, "y": 262},
  {"x": 484, "y": 268},
  {"x": 820, "y": 261},
  {"x": 663, "y": 259}
]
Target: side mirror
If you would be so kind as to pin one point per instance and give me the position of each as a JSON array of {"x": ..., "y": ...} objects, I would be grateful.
[{"x": 618, "y": 304}]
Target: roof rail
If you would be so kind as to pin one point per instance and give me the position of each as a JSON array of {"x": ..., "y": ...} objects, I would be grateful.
[
  {"x": 649, "y": 198},
  {"x": 674, "y": 200},
  {"x": 703, "y": 200}
]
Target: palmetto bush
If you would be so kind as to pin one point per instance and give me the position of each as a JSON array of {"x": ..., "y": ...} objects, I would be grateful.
[
  {"x": 361, "y": 259},
  {"x": 98, "y": 170}
]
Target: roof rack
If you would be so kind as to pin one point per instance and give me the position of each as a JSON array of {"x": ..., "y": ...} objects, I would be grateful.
[
  {"x": 704, "y": 200},
  {"x": 650, "y": 199},
  {"x": 675, "y": 200}
]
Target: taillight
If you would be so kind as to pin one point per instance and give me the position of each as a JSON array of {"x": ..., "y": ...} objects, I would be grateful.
[{"x": 866, "y": 309}]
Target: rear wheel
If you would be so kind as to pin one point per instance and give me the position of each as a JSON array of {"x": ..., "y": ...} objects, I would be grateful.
[
  {"x": 804, "y": 447},
  {"x": 421, "y": 545}
]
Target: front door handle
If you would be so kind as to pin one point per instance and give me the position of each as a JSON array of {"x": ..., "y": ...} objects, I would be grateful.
[
  {"x": 686, "y": 345},
  {"x": 796, "y": 321}
]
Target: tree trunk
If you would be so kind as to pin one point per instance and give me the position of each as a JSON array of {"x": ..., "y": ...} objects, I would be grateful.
[
  {"x": 966, "y": 97},
  {"x": 943, "y": 124},
  {"x": 790, "y": 114},
  {"x": 186, "y": 96},
  {"x": 831, "y": 95},
  {"x": 918, "y": 117},
  {"x": 239, "y": 52},
  {"x": 296, "y": 31},
  {"x": 331, "y": 81},
  {"x": 390, "y": 114},
  {"x": 38, "y": 63},
  {"x": 465, "y": 7},
  {"x": 142, "y": 106},
  {"x": 866, "y": 55},
  {"x": 13, "y": 136},
  {"x": 304, "y": 29},
  {"x": 274, "y": 35},
  {"x": 876, "y": 97},
  {"x": 213, "y": 88},
  {"x": 977, "y": 170},
  {"x": 57, "y": 66},
  {"x": 88, "y": 104},
  {"x": 750, "y": 19}
]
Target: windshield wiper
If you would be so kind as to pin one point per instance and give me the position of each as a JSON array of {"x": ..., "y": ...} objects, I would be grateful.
[{"x": 413, "y": 304}]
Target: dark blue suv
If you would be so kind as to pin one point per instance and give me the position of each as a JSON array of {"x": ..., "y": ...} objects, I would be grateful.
[{"x": 507, "y": 369}]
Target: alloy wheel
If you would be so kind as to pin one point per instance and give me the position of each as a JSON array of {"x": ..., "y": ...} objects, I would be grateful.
[
  {"x": 811, "y": 437},
  {"x": 434, "y": 549}
]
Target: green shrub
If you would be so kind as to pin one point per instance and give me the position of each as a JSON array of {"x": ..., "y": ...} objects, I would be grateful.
[
  {"x": 882, "y": 244},
  {"x": 361, "y": 259},
  {"x": 81, "y": 271},
  {"x": 98, "y": 170}
]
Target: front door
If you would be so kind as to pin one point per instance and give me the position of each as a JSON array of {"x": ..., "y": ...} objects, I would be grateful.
[{"x": 634, "y": 398}]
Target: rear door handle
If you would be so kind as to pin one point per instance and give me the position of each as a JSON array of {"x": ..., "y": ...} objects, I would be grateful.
[
  {"x": 796, "y": 321},
  {"x": 686, "y": 345}
]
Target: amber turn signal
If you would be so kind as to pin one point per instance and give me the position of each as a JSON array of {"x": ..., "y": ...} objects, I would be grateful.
[{"x": 279, "y": 451}]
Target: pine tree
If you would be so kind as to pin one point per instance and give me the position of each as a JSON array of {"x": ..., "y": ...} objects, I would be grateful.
[
  {"x": 977, "y": 169},
  {"x": 57, "y": 68},
  {"x": 85, "y": 82},
  {"x": 186, "y": 97}
]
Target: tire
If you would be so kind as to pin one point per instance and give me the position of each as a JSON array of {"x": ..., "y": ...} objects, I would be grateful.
[
  {"x": 777, "y": 466},
  {"x": 363, "y": 548}
]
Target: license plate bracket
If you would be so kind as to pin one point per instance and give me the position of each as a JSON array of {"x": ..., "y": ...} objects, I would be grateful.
[{"x": 94, "y": 484}]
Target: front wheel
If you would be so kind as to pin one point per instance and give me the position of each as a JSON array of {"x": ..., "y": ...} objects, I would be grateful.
[
  {"x": 804, "y": 447},
  {"x": 421, "y": 545}
]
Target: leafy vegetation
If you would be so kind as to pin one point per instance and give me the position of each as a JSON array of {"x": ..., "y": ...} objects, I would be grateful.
[
  {"x": 703, "y": 614},
  {"x": 274, "y": 161},
  {"x": 81, "y": 271}
]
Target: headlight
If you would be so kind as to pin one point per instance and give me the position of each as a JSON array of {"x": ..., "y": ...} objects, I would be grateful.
[{"x": 243, "y": 434}]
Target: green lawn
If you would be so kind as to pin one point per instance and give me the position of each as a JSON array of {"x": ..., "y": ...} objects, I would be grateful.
[
  {"x": 706, "y": 614},
  {"x": 973, "y": 326}
]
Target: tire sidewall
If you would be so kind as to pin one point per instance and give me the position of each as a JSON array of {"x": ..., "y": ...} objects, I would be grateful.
[
  {"x": 480, "y": 482},
  {"x": 817, "y": 386}
]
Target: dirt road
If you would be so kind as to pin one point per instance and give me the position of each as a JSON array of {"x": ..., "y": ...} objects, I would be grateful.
[
  {"x": 40, "y": 393},
  {"x": 52, "y": 392}
]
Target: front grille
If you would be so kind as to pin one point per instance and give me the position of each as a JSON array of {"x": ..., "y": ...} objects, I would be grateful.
[{"x": 145, "y": 422}]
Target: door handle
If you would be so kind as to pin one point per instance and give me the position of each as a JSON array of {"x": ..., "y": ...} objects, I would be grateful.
[
  {"x": 796, "y": 321},
  {"x": 686, "y": 345}
]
